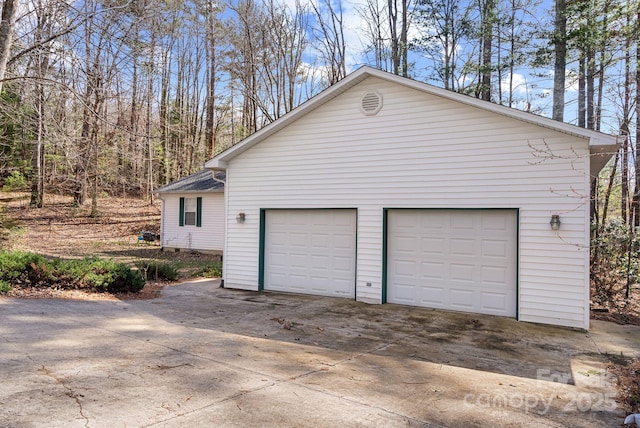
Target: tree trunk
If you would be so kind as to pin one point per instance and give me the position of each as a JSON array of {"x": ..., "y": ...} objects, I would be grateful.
[
  {"x": 487, "y": 40},
  {"x": 404, "y": 47},
  {"x": 582, "y": 108},
  {"x": 393, "y": 35},
  {"x": 9, "y": 14},
  {"x": 560, "y": 61},
  {"x": 636, "y": 194}
]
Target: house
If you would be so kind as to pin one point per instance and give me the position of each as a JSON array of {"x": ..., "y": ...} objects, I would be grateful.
[
  {"x": 383, "y": 189},
  {"x": 192, "y": 216}
]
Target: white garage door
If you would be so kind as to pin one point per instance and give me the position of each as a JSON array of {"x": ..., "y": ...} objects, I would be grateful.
[
  {"x": 462, "y": 260},
  {"x": 311, "y": 252}
]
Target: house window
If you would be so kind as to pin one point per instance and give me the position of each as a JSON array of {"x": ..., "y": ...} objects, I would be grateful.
[{"x": 191, "y": 212}]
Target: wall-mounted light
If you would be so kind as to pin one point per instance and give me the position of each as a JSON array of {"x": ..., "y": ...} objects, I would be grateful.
[
  {"x": 240, "y": 218},
  {"x": 555, "y": 222}
]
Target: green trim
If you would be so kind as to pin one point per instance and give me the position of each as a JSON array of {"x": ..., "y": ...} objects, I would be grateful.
[
  {"x": 263, "y": 218},
  {"x": 517, "y": 264},
  {"x": 181, "y": 218},
  {"x": 309, "y": 209},
  {"x": 199, "y": 211},
  {"x": 355, "y": 259},
  {"x": 384, "y": 255}
]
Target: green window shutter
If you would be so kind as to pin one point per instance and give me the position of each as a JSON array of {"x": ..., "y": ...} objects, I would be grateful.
[
  {"x": 199, "y": 212},
  {"x": 181, "y": 221}
]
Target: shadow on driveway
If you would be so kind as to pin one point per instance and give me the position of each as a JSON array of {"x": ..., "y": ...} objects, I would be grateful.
[{"x": 206, "y": 356}]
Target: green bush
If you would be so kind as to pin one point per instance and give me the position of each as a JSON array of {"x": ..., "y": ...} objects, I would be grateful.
[
  {"x": 94, "y": 274},
  {"x": 17, "y": 264},
  {"x": 5, "y": 287},
  {"x": 211, "y": 270},
  {"x": 15, "y": 182},
  {"x": 158, "y": 271}
]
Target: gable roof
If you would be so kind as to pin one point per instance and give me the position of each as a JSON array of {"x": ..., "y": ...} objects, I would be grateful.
[
  {"x": 201, "y": 181},
  {"x": 601, "y": 145}
]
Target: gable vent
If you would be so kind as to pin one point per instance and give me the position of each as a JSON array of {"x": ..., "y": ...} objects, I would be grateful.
[{"x": 371, "y": 103}]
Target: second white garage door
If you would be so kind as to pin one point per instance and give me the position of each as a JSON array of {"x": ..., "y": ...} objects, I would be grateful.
[
  {"x": 462, "y": 260},
  {"x": 311, "y": 252}
]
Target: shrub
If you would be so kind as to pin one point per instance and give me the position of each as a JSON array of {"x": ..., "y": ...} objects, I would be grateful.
[
  {"x": 15, "y": 182},
  {"x": 93, "y": 273},
  {"x": 158, "y": 271},
  {"x": 17, "y": 264},
  {"x": 211, "y": 270},
  {"x": 5, "y": 287}
]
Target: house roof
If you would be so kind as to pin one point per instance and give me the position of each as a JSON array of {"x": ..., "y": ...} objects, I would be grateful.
[
  {"x": 201, "y": 181},
  {"x": 602, "y": 146}
]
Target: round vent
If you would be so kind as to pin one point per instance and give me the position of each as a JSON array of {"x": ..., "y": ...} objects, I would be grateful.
[{"x": 371, "y": 103}]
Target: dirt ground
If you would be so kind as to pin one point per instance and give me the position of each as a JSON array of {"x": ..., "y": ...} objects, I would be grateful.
[{"x": 62, "y": 230}]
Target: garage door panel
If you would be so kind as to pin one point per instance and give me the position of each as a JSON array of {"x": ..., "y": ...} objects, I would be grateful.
[
  {"x": 433, "y": 271},
  {"x": 462, "y": 247},
  {"x": 462, "y": 273},
  {"x": 494, "y": 223},
  {"x": 491, "y": 248},
  {"x": 310, "y": 251},
  {"x": 461, "y": 299},
  {"x": 496, "y": 275},
  {"x": 432, "y": 297},
  {"x": 429, "y": 245},
  {"x": 494, "y": 301},
  {"x": 462, "y": 223},
  {"x": 466, "y": 258}
]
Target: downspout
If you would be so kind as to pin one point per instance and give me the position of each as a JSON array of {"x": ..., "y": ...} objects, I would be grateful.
[
  {"x": 213, "y": 175},
  {"x": 224, "y": 183},
  {"x": 162, "y": 219}
]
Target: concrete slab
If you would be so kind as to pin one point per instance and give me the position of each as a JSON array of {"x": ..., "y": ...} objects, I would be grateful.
[{"x": 201, "y": 355}]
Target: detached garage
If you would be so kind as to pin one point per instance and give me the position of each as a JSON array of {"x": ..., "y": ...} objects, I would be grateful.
[{"x": 387, "y": 190}]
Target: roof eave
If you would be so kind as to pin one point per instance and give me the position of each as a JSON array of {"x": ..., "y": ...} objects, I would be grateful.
[{"x": 166, "y": 192}]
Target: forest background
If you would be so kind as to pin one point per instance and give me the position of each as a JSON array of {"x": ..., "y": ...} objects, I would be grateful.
[{"x": 115, "y": 97}]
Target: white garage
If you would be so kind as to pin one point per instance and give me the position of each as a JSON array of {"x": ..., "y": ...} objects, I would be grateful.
[
  {"x": 388, "y": 190},
  {"x": 311, "y": 252},
  {"x": 464, "y": 260}
]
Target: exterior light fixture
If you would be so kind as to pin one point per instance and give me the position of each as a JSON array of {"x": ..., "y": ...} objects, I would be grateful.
[
  {"x": 555, "y": 222},
  {"x": 240, "y": 218}
]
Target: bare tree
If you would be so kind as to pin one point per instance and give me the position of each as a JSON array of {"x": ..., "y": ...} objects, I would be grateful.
[
  {"x": 7, "y": 23},
  {"x": 560, "y": 59},
  {"x": 330, "y": 34}
]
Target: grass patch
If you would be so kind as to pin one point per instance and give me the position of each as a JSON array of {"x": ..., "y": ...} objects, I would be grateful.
[
  {"x": 212, "y": 269},
  {"x": 158, "y": 270},
  {"x": 24, "y": 270}
]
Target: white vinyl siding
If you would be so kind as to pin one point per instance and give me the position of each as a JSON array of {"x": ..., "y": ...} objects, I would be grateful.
[
  {"x": 422, "y": 151},
  {"x": 208, "y": 237}
]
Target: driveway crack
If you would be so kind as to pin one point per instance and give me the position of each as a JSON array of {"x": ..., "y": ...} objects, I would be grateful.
[{"x": 69, "y": 392}]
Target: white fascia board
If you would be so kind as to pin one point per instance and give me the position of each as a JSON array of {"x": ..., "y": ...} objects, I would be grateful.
[
  {"x": 190, "y": 192},
  {"x": 216, "y": 164}
]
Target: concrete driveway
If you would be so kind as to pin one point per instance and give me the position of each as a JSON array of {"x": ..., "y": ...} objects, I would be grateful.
[{"x": 205, "y": 356}]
